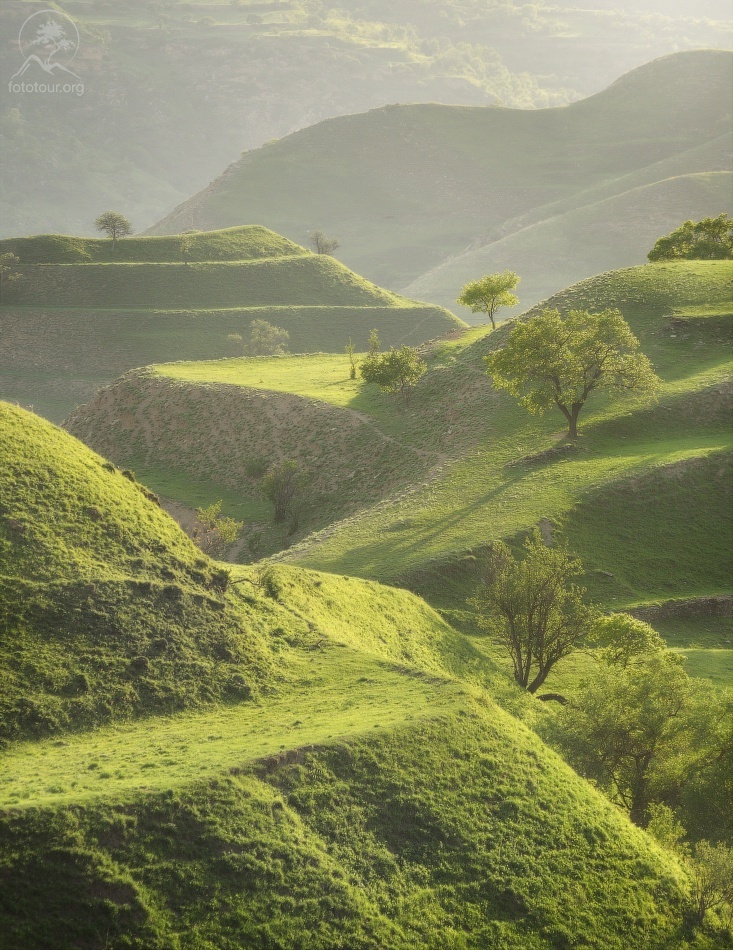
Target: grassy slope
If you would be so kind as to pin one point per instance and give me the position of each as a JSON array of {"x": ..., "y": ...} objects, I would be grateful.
[
  {"x": 108, "y": 610},
  {"x": 562, "y": 249},
  {"x": 83, "y": 314},
  {"x": 405, "y": 187},
  {"x": 373, "y": 794},
  {"x": 229, "y": 244},
  {"x": 422, "y": 536}
]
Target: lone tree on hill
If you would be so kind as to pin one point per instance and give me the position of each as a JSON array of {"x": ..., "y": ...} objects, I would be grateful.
[
  {"x": 114, "y": 225},
  {"x": 708, "y": 240},
  {"x": 555, "y": 360},
  {"x": 395, "y": 372},
  {"x": 531, "y": 607},
  {"x": 266, "y": 339},
  {"x": 490, "y": 293},
  {"x": 322, "y": 244}
]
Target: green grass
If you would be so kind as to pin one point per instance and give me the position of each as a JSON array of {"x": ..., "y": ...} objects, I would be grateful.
[
  {"x": 230, "y": 244},
  {"x": 320, "y": 758},
  {"x": 82, "y": 314},
  {"x": 425, "y": 490},
  {"x": 421, "y": 834},
  {"x": 338, "y": 693}
]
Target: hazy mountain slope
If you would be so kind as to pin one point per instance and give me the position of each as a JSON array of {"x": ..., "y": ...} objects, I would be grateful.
[
  {"x": 83, "y": 313},
  {"x": 171, "y": 97},
  {"x": 405, "y": 187},
  {"x": 561, "y": 250}
]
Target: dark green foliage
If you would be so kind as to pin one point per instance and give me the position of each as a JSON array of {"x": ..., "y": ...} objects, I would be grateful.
[
  {"x": 561, "y": 360},
  {"x": 638, "y": 724},
  {"x": 396, "y": 372},
  {"x": 708, "y": 240},
  {"x": 114, "y": 225},
  {"x": 8, "y": 269},
  {"x": 265, "y": 339},
  {"x": 490, "y": 293}
]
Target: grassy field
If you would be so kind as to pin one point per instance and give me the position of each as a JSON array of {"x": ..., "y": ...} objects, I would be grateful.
[
  {"x": 83, "y": 314},
  {"x": 440, "y": 494},
  {"x": 364, "y": 789},
  {"x": 409, "y": 187}
]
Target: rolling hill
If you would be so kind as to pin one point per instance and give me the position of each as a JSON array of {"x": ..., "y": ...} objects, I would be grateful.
[
  {"x": 408, "y": 188},
  {"x": 369, "y": 790},
  {"x": 563, "y": 249},
  {"x": 84, "y": 312},
  {"x": 465, "y": 464},
  {"x": 174, "y": 93}
]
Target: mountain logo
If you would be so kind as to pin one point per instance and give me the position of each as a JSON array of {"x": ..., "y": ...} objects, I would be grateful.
[{"x": 49, "y": 41}]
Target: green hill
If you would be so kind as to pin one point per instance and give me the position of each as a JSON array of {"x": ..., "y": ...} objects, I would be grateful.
[
  {"x": 432, "y": 495},
  {"x": 84, "y": 313},
  {"x": 107, "y": 609},
  {"x": 367, "y": 790},
  {"x": 563, "y": 248},
  {"x": 409, "y": 187}
]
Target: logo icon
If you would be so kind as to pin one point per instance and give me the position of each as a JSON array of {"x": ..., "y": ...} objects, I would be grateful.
[{"x": 48, "y": 40}]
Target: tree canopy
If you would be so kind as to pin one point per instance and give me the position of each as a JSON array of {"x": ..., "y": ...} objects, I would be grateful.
[
  {"x": 265, "y": 339},
  {"x": 638, "y": 725},
  {"x": 531, "y": 607},
  {"x": 114, "y": 225},
  {"x": 708, "y": 240},
  {"x": 395, "y": 372},
  {"x": 560, "y": 360},
  {"x": 490, "y": 293},
  {"x": 8, "y": 264}
]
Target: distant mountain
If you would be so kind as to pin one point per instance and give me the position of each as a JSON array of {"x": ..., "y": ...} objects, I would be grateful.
[
  {"x": 409, "y": 188},
  {"x": 174, "y": 91}
]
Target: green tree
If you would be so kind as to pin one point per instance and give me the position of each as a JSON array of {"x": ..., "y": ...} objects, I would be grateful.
[
  {"x": 282, "y": 485},
  {"x": 395, "y": 372},
  {"x": 555, "y": 360},
  {"x": 8, "y": 264},
  {"x": 114, "y": 225},
  {"x": 532, "y": 608},
  {"x": 711, "y": 877},
  {"x": 266, "y": 339},
  {"x": 637, "y": 725},
  {"x": 490, "y": 293},
  {"x": 374, "y": 343},
  {"x": 213, "y": 531},
  {"x": 708, "y": 240}
]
